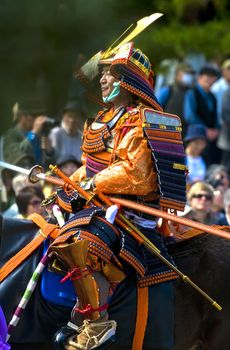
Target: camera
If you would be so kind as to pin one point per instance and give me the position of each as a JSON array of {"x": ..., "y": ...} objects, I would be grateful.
[{"x": 48, "y": 125}]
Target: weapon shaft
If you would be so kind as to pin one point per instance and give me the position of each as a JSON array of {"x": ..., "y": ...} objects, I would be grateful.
[
  {"x": 162, "y": 214},
  {"x": 124, "y": 202},
  {"x": 123, "y": 221},
  {"x": 90, "y": 198},
  {"x": 150, "y": 246}
]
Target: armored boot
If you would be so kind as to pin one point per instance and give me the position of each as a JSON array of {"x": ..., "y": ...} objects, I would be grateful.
[{"x": 97, "y": 332}]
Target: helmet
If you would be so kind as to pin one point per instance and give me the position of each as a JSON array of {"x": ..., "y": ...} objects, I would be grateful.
[
  {"x": 133, "y": 69},
  {"x": 128, "y": 65}
]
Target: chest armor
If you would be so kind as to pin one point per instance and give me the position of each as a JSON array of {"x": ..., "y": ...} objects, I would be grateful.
[
  {"x": 98, "y": 143},
  {"x": 163, "y": 132}
]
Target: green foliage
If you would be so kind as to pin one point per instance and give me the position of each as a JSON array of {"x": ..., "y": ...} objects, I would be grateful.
[
  {"x": 193, "y": 11},
  {"x": 41, "y": 39},
  {"x": 175, "y": 41}
]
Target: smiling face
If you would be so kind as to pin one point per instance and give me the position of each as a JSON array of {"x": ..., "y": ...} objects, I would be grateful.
[{"x": 106, "y": 81}]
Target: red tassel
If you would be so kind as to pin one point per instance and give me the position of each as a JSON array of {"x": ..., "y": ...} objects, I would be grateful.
[
  {"x": 75, "y": 274},
  {"x": 89, "y": 309}
]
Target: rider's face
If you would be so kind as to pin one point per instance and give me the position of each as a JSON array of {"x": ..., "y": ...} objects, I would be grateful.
[{"x": 106, "y": 81}]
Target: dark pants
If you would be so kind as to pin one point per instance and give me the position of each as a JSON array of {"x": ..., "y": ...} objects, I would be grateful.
[
  {"x": 225, "y": 160},
  {"x": 212, "y": 154}
]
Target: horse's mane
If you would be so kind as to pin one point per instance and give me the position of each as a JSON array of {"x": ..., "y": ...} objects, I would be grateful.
[{"x": 199, "y": 244}]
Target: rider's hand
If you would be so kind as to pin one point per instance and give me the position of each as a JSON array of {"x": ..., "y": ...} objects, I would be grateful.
[{"x": 88, "y": 184}]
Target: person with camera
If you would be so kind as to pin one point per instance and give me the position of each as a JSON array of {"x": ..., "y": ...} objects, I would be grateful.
[
  {"x": 67, "y": 138},
  {"x": 27, "y": 142}
]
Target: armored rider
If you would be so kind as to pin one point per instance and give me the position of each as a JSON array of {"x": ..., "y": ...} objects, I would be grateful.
[{"x": 131, "y": 150}]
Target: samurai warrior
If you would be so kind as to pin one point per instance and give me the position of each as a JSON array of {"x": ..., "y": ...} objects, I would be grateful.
[{"x": 131, "y": 150}]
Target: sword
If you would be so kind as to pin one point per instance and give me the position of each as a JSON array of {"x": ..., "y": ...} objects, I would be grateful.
[
  {"x": 21, "y": 170},
  {"x": 34, "y": 174}
]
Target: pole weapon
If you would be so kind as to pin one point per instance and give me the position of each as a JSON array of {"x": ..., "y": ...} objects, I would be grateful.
[
  {"x": 122, "y": 221},
  {"x": 35, "y": 174}
]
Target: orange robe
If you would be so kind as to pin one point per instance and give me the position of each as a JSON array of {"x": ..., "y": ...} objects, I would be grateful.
[{"x": 131, "y": 172}]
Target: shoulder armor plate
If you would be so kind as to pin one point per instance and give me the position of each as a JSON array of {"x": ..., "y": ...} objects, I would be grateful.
[{"x": 163, "y": 132}]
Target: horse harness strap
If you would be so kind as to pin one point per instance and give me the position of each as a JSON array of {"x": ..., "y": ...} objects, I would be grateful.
[
  {"x": 141, "y": 318},
  {"x": 195, "y": 232},
  {"x": 46, "y": 230}
]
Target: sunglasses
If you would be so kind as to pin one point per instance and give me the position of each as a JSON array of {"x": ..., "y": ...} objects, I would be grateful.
[
  {"x": 35, "y": 202},
  {"x": 208, "y": 197}
]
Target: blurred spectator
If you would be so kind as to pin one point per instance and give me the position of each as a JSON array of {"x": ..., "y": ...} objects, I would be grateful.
[
  {"x": 22, "y": 144},
  {"x": 217, "y": 175},
  {"x": 19, "y": 181},
  {"x": 68, "y": 164},
  {"x": 200, "y": 197},
  {"x": 29, "y": 200},
  {"x": 224, "y": 137},
  {"x": 195, "y": 143},
  {"x": 171, "y": 97},
  {"x": 225, "y": 220},
  {"x": 221, "y": 85},
  {"x": 7, "y": 191},
  {"x": 218, "y": 201},
  {"x": 67, "y": 138},
  {"x": 200, "y": 108}
]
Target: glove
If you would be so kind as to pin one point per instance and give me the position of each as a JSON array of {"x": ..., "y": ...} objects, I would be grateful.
[{"x": 88, "y": 184}]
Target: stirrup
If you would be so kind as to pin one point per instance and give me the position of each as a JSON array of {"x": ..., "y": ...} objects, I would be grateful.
[
  {"x": 104, "y": 346},
  {"x": 100, "y": 344},
  {"x": 60, "y": 338}
]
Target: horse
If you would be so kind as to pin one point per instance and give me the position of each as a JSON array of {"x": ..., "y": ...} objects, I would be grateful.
[{"x": 197, "y": 325}]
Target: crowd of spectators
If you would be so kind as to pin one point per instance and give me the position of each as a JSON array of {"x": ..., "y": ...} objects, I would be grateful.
[
  {"x": 201, "y": 99},
  {"x": 36, "y": 138}
]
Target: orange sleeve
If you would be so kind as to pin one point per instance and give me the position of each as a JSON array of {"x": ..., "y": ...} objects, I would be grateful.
[{"x": 132, "y": 172}]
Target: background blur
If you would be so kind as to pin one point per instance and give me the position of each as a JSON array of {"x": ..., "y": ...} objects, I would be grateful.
[{"x": 41, "y": 41}]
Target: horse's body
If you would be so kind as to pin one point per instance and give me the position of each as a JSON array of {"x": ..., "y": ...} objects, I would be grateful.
[{"x": 205, "y": 259}]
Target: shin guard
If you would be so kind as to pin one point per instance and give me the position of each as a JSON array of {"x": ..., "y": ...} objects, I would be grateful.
[{"x": 74, "y": 255}]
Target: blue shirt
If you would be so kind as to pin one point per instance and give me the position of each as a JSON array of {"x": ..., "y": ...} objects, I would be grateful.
[
  {"x": 35, "y": 142},
  {"x": 190, "y": 106},
  {"x": 163, "y": 95}
]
